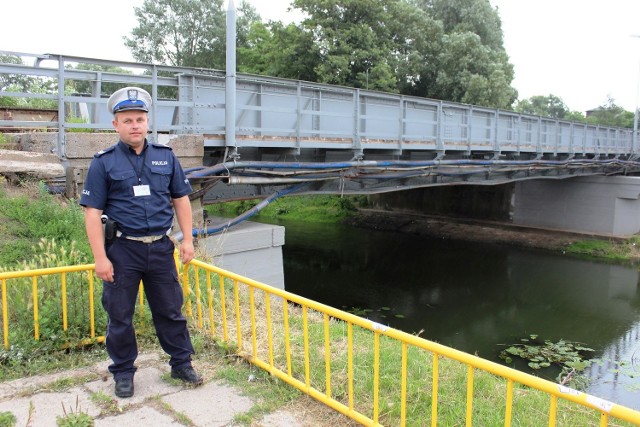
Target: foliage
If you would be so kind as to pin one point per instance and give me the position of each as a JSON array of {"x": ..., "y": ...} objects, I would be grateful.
[
  {"x": 78, "y": 129},
  {"x": 411, "y": 47},
  {"x": 53, "y": 340},
  {"x": 569, "y": 356},
  {"x": 304, "y": 208},
  {"x": 186, "y": 32},
  {"x": 546, "y": 106},
  {"x": 40, "y": 230},
  {"x": 24, "y": 83},
  {"x": 610, "y": 114},
  {"x": 279, "y": 50},
  {"x": 34, "y": 215},
  {"x": 85, "y": 86},
  {"x": 471, "y": 65},
  {"x": 74, "y": 418},
  {"x": 7, "y": 419},
  {"x": 624, "y": 250},
  {"x": 357, "y": 42}
]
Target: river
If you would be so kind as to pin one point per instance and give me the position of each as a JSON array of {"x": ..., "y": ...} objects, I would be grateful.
[{"x": 475, "y": 297}]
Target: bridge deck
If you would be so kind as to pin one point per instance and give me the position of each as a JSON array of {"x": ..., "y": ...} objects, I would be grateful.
[{"x": 288, "y": 121}]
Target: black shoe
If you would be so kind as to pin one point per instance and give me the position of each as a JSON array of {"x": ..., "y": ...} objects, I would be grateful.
[
  {"x": 187, "y": 375},
  {"x": 124, "y": 387}
]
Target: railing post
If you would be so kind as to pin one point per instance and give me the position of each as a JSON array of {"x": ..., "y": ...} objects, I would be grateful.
[
  {"x": 401, "y": 123},
  {"x": 440, "y": 126},
  {"x": 230, "y": 87},
  {"x": 154, "y": 104},
  {"x": 298, "y": 114},
  {"x": 357, "y": 145},
  {"x": 61, "y": 149}
]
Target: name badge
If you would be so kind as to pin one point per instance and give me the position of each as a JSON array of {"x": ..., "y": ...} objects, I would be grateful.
[{"x": 141, "y": 190}]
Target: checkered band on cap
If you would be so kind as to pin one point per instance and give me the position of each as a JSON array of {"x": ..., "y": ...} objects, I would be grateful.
[{"x": 129, "y": 98}]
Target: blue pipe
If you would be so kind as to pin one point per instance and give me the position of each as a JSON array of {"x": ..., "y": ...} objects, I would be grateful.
[{"x": 244, "y": 216}]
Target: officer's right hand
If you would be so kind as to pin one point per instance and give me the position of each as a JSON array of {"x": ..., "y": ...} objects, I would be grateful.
[{"x": 104, "y": 269}]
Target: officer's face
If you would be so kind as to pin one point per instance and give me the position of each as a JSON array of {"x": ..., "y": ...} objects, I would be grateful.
[{"x": 132, "y": 127}]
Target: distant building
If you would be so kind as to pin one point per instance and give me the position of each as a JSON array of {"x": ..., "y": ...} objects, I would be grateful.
[{"x": 593, "y": 111}]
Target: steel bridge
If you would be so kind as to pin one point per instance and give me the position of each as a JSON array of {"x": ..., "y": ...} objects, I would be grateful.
[{"x": 270, "y": 134}]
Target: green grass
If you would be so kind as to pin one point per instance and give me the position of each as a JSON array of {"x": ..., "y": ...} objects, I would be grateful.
[
  {"x": 34, "y": 214},
  {"x": 613, "y": 250},
  {"x": 301, "y": 208},
  {"x": 7, "y": 419}
]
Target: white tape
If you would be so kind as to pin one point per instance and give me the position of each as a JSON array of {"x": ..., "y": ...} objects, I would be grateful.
[
  {"x": 378, "y": 327},
  {"x": 605, "y": 405},
  {"x": 567, "y": 390}
]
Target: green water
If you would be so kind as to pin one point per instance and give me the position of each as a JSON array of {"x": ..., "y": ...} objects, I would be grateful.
[{"x": 471, "y": 296}]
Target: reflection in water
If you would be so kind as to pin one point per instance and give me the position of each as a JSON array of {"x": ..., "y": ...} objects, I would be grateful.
[
  {"x": 616, "y": 382},
  {"x": 470, "y": 296}
]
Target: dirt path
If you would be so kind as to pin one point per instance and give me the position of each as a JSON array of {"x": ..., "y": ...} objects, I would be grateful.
[{"x": 470, "y": 230}]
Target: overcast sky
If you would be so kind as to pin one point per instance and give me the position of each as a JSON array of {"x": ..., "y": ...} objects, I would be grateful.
[{"x": 581, "y": 51}]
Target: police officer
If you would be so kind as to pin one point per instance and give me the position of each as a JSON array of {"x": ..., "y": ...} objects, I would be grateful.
[{"x": 138, "y": 185}]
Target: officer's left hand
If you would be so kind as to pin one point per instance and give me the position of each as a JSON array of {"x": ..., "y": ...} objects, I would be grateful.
[{"x": 186, "y": 251}]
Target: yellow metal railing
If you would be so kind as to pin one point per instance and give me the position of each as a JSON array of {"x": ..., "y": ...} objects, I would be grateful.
[
  {"x": 329, "y": 365},
  {"x": 371, "y": 373},
  {"x": 83, "y": 274}
]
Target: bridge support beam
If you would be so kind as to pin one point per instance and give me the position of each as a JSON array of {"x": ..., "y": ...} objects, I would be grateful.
[{"x": 602, "y": 205}]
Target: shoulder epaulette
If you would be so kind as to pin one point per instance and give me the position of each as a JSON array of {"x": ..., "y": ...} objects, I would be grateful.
[
  {"x": 106, "y": 150},
  {"x": 161, "y": 146}
]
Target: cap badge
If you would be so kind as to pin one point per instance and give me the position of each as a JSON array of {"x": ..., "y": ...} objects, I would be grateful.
[{"x": 132, "y": 94}]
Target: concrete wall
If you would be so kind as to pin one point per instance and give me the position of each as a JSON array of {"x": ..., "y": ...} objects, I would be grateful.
[
  {"x": 250, "y": 249},
  {"x": 604, "y": 205},
  {"x": 80, "y": 148},
  {"x": 600, "y": 205}
]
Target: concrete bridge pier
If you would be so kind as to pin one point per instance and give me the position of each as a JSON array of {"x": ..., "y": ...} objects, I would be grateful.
[
  {"x": 250, "y": 249},
  {"x": 602, "y": 205}
]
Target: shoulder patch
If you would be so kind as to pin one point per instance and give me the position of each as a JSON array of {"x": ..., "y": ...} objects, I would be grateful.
[
  {"x": 106, "y": 150},
  {"x": 161, "y": 146}
]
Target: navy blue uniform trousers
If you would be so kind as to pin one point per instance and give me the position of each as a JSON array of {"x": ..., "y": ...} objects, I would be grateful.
[{"x": 153, "y": 263}]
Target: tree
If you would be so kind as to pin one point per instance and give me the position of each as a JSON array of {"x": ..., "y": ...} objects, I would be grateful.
[
  {"x": 354, "y": 41},
  {"x": 610, "y": 114},
  {"x": 470, "y": 72},
  {"x": 467, "y": 16},
  {"x": 423, "y": 48},
  {"x": 547, "y": 106},
  {"x": 190, "y": 33},
  {"x": 443, "y": 49},
  {"x": 84, "y": 86},
  {"x": 280, "y": 51},
  {"x": 24, "y": 83},
  {"x": 471, "y": 65}
]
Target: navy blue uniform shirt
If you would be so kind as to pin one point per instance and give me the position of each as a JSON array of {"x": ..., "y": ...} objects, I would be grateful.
[{"x": 115, "y": 172}]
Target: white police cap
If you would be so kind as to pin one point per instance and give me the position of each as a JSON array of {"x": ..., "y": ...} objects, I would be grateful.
[{"x": 129, "y": 98}]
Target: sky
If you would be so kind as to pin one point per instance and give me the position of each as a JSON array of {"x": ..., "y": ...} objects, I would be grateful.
[{"x": 584, "y": 52}]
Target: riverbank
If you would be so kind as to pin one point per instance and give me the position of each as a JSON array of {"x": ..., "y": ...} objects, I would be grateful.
[
  {"x": 356, "y": 212},
  {"x": 620, "y": 249}
]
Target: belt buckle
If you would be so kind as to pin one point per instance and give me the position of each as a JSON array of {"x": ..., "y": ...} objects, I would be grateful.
[{"x": 145, "y": 239}]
